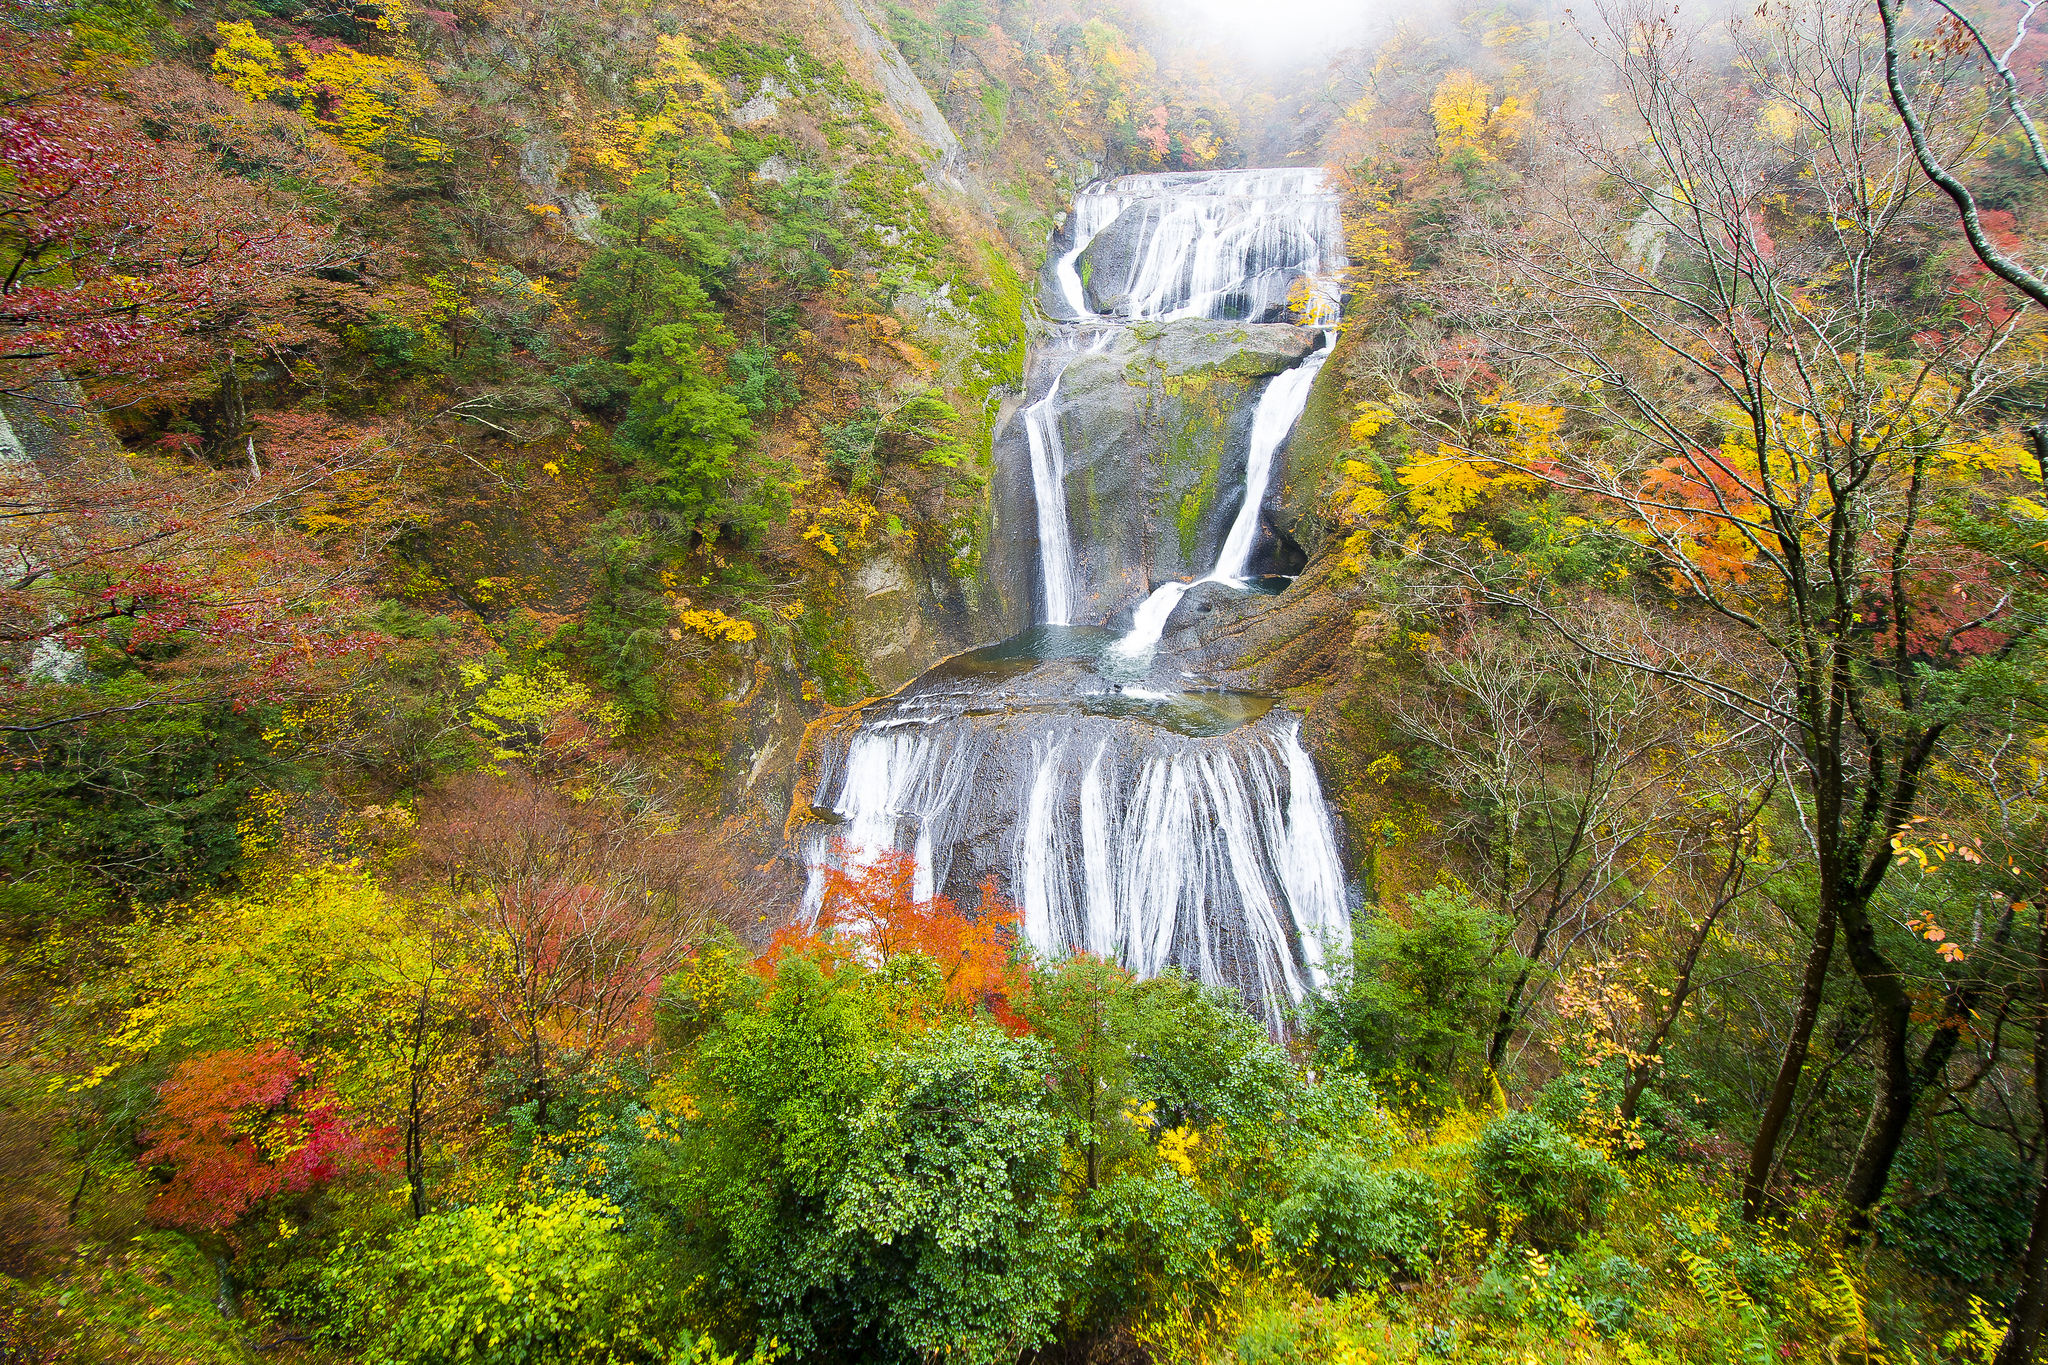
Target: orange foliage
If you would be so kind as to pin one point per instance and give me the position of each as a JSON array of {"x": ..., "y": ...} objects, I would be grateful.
[{"x": 871, "y": 904}]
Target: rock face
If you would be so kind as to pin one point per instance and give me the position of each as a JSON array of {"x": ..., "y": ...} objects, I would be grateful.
[{"x": 1154, "y": 426}]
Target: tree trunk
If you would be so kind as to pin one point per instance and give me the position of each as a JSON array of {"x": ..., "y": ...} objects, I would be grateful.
[
  {"x": 1891, "y": 1017},
  {"x": 1511, "y": 1010},
  {"x": 1764, "y": 1151},
  {"x": 2030, "y": 1313}
]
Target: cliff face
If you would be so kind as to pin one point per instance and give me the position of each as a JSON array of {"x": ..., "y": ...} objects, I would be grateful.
[{"x": 1154, "y": 426}]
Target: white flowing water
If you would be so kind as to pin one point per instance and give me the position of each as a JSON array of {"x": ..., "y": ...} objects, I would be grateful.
[
  {"x": 1279, "y": 409},
  {"x": 1049, "y": 493},
  {"x": 1214, "y": 244},
  {"x": 1115, "y": 829}
]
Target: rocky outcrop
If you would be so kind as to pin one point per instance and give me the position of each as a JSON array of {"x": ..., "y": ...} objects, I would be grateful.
[{"x": 1154, "y": 425}]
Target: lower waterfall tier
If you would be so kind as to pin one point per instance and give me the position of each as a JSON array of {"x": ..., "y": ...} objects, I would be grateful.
[{"x": 1128, "y": 812}]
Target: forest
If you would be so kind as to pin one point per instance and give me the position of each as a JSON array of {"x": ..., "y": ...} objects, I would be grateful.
[{"x": 1040, "y": 681}]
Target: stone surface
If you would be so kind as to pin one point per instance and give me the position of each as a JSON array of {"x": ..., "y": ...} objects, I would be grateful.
[{"x": 1155, "y": 428}]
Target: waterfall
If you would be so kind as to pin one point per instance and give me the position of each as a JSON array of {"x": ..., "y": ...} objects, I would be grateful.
[
  {"x": 1279, "y": 409},
  {"x": 1213, "y": 244},
  {"x": 1172, "y": 825},
  {"x": 1149, "y": 848},
  {"x": 1049, "y": 491}
]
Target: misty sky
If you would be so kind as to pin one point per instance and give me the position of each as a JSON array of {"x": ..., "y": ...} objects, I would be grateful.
[{"x": 1288, "y": 30}]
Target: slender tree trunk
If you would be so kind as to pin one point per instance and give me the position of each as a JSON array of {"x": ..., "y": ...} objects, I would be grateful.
[
  {"x": 1645, "y": 1066},
  {"x": 1763, "y": 1152},
  {"x": 1891, "y": 1017},
  {"x": 2030, "y": 1313},
  {"x": 1511, "y": 1010}
]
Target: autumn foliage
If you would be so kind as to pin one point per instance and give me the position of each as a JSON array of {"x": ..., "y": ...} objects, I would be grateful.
[
  {"x": 872, "y": 900},
  {"x": 235, "y": 1128},
  {"x": 126, "y": 263}
]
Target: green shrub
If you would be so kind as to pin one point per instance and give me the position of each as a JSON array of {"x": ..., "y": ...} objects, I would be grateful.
[
  {"x": 1359, "y": 1227},
  {"x": 1419, "y": 996},
  {"x": 1553, "y": 1187},
  {"x": 547, "y": 1283}
]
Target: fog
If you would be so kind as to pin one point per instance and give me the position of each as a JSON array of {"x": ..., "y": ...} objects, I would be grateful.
[{"x": 1282, "y": 32}]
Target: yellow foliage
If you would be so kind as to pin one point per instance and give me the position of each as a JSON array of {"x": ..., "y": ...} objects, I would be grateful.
[
  {"x": 372, "y": 104},
  {"x": 689, "y": 107},
  {"x": 1459, "y": 109},
  {"x": 1177, "y": 1146},
  {"x": 713, "y": 624},
  {"x": 1450, "y": 482},
  {"x": 518, "y": 712},
  {"x": 248, "y": 63},
  {"x": 1371, "y": 420},
  {"x": 1778, "y": 122},
  {"x": 1467, "y": 119}
]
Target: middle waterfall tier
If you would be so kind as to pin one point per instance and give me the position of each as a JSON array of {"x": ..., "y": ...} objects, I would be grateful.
[{"x": 1129, "y": 459}]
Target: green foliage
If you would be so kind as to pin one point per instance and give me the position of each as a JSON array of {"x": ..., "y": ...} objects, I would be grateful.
[
  {"x": 146, "y": 804},
  {"x": 660, "y": 246},
  {"x": 924, "y": 427},
  {"x": 964, "y": 18},
  {"x": 881, "y": 1195},
  {"x": 1420, "y": 995},
  {"x": 1359, "y": 1227},
  {"x": 1151, "y": 1231},
  {"x": 1548, "y": 1187},
  {"x": 684, "y": 420},
  {"x": 952, "y": 1192},
  {"x": 545, "y": 1283},
  {"x": 1960, "y": 1211}
]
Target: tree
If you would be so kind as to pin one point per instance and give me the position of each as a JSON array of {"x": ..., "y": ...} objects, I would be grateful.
[
  {"x": 141, "y": 582},
  {"x": 556, "y": 1281},
  {"x": 873, "y": 901},
  {"x": 576, "y": 917},
  {"x": 1424, "y": 989},
  {"x": 1553, "y": 753},
  {"x": 1754, "y": 430},
  {"x": 684, "y": 417},
  {"x": 126, "y": 263},
  {"x": 327, "y": 967},
  {"x": 235, "y": 1128},
  {"x": 658, "y": 245}
]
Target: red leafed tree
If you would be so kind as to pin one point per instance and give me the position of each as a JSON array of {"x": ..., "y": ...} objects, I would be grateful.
[
  {"x": 578, "y": 916},
  {"x": 873, "y": 899},
  {"x": 128, "y": 264},
  {"x": 235, "y": 1128},
  {"x": 207, "y": 584}
]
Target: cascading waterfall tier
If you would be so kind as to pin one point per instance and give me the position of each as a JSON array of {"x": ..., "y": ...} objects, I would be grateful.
[
  {"x": 1129, "y": 808},
  {"x": 1155, "y": 825},
  {"x": 1253, "y": 245}
]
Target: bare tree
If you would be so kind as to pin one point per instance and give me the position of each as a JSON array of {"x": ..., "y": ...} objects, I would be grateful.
[
  {"x": 577, "y": 916},
  {"x": 1713, "y": 295}
]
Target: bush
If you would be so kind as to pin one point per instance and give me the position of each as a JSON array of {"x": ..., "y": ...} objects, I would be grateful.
[
  {"x": 1961, "y": 1212},
  {"x": 1418, "y": 996},
  {"x": 534, "y": 1284},
  {"x": 1358, "y": 1226},
  {"x": 1552, "y": 1187},
  {"x": 1150, "y": 1232}
]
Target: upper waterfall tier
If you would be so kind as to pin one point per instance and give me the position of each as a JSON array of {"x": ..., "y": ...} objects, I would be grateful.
[{"x": 1252, "y": 246}]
